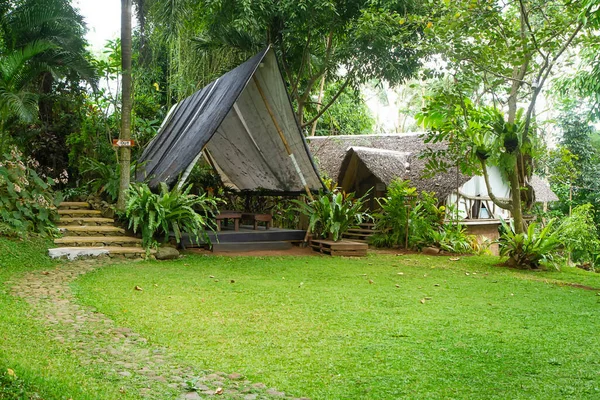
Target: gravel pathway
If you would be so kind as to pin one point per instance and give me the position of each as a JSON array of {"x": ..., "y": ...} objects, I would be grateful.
[{"x": 126, "y": 357}]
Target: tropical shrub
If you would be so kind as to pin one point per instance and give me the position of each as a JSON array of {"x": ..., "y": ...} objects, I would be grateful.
[
  {"x": 453, "y": 238},
  {"x": 169, "y": 212},
  {"x": 391, "y": 221},
  {"x": 104, "y": 179},
  {"x": 532, "y": 248},
  {"x": 403, "y": 208},
  {"x": 27, "y": 202},
  {"x": 332, "y": 214},
  {"x": 579, "y": 235}
]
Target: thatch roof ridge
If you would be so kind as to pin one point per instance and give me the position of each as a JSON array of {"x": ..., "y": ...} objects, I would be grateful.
[
  {"x": 387, "y": 165},
  {"x": 330, "y": 151},
  {"x": 542, "y": 190}
]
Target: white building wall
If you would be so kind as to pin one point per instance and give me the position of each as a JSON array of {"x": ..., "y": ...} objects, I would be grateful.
[{"x": 476, "y": 188}]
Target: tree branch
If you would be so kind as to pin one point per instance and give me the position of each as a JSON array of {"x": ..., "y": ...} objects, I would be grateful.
[
  {"x": 333, "y": 99},
  {"x": 300, "y": 70},
  {"x": 504, "y": 204},
  {"x": 496, "y": 74},
  {"x": 526, "y": 20}
]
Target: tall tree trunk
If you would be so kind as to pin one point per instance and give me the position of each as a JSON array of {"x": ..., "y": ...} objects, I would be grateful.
[
  {"x": 126, "y": 101},
  {"x": 517, "y": 204}
]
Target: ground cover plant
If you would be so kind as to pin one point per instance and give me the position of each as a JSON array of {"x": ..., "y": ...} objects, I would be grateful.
[{"x": 380, "y": 327}]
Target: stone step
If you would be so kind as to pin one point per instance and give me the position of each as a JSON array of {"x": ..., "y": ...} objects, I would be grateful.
[
  {"x": 93, "y": 230},
  {"x": 79, "y": 213},
  {"x": 74, "y": 205},
  {"x": 75, "y": 252},
  {"x": 98, "y": 241},
  {"x": 89, "y": 221}
]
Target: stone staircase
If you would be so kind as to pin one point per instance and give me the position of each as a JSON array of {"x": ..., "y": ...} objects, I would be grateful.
[{"x": 87, "y": 234}]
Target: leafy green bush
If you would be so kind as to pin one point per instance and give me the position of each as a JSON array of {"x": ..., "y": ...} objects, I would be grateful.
[
  {"x": 103, "y": 179},
  {"x": 169, "y": 211},
  {"x": 453, "y": 238},
  {"x": 332, "y": 214},
  {"x": 425, "y": 219},
  {"x": 532, "y": 248},
  {"x": 27, "y": 203},
  {"x": 393, "y": 218},
  {"x": 579, "y": 235}
]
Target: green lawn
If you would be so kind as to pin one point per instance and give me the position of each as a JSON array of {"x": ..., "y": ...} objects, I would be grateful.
[
  {"x": 44, "y": 369},
  {"x": 426, "y": 327}
]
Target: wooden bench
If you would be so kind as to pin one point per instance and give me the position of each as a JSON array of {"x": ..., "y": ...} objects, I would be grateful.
[
  {"x": 256, "y": 218},
  {"x": 227, "y": 215}
]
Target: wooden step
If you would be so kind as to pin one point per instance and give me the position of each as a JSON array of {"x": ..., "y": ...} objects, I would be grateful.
[
  {"x": 98, "y": 241},
  {"x": 74, "y": 205},
  {"x": 76, "y": 252},
  {"x": 355, "y": 235},
  {"x": 80, "y": 213},
  {"x": 250, "y": 246},
  {"x": 356, "y": 230},
  {"x": 341, "y": 248},
  {"x": 93, "y": 230},
  {"x": 89, "y": 221}
]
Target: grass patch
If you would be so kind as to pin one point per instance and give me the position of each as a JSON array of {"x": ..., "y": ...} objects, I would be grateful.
[
  {"x": 333, "y": 328},
  {"x": 43, "y": 368}
]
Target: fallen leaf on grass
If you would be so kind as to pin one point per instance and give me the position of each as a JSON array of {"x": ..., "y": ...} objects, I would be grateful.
[
  {"x": 45, "y": 273},
  {"x": 422, "y": 301},
  {"x": 397, "y": 285},
  {"x": 454, "y": 259},
  {"x": 212, "y": 276},
  {"x": 11, "y": 373},
  {"x": 138, "y": 288},
  {"x": 400, "y": 273},
  {"x": 219, "y": 391},
  {"x": 371, "y": 281},
  {"x": 427, "y": 298},
  {"x": 232, "y": 281},
  {"x": 437, "y": 284},
  {"x": 467, "y": 274}
]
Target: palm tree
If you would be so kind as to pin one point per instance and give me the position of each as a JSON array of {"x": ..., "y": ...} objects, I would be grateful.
[
  {"x": 56, "y": 22},
  {"x": 126, "y": 101},
  {"x": 17, "y": 69}
]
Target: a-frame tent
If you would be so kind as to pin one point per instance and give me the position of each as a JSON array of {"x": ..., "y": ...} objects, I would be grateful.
[{"x": 244, "y": 125}]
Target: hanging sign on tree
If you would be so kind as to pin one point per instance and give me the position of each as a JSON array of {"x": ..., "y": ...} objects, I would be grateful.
[{"x": 123, "y": 143}]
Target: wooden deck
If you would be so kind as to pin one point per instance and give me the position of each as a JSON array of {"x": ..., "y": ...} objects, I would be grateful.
[
  {"x": 247, "y": 234},
  {"x": 342, "y": 248}
]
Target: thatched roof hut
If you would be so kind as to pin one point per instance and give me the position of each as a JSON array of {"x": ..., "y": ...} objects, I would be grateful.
[
  {"x": 351, "y": 157},
  {"x": 541, "y": 188}
]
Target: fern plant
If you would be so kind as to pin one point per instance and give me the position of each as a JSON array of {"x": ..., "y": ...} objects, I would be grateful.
[
  {"x": 170, "y": 211},
  {"x": 531, "y": 248}
]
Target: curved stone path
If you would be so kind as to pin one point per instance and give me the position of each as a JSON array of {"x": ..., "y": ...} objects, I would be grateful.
[{"x": 125, "y": 356}]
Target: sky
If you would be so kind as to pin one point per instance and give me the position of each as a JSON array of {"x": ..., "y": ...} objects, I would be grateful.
[{"x": 103, "y": 19}]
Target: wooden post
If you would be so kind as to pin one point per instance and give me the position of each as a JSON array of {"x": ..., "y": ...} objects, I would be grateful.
[{"x": 407, "y": 219}]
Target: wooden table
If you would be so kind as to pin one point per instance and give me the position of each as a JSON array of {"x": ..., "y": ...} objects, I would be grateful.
[
  {"x": 227, "y": 215},
  {"x": 256, "y": 218}
]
